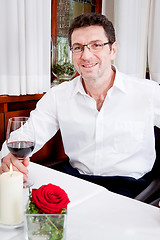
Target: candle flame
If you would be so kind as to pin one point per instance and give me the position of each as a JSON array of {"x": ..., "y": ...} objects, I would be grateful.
[{"x": 11, "y": 169}]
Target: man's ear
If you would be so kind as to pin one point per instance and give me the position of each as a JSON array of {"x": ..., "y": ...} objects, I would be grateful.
[{"x": 113, "y": 50}]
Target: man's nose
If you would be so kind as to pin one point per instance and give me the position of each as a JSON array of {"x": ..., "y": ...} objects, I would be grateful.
[{"x": 86, "y": 52}]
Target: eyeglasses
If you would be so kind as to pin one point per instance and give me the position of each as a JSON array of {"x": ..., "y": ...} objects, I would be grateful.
[{"x": 92, "y": 46}]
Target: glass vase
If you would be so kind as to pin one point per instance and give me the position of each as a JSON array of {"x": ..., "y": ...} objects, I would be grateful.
[
  {"x": 45, "y": 226},
  {"x": 62, "y": 66}
]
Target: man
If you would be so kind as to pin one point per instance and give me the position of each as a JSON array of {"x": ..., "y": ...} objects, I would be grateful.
[{"x": 106, "y": 118}]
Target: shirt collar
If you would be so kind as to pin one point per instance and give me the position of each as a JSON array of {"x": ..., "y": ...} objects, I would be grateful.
[
  {"x": 118, "y": 83},
  {"x": 119, "y": 80},
  {"x": 79, "y": 86}
]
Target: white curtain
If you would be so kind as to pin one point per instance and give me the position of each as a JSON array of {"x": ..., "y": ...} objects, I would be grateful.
[
  {"x": 137, "y": 24},
  {"x": 25, "y": 30}
]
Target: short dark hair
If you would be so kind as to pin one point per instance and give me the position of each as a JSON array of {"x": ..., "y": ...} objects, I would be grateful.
[{"x": 91, "y": 19}]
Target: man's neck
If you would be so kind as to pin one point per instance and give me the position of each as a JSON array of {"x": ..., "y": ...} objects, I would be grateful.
[{"x": 98, "y": 89}]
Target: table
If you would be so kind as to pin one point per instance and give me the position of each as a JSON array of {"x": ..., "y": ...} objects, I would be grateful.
[{"x": 94, "y": 212}]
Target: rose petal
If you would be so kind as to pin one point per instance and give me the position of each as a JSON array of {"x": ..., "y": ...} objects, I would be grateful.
[{"x": 50, "y": 198}]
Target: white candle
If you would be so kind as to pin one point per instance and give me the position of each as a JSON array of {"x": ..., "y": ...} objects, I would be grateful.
[{"x": 11, "y": 198}]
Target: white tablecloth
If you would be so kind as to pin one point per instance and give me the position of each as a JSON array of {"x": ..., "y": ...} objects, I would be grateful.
[{"x": 95, "y": 213}]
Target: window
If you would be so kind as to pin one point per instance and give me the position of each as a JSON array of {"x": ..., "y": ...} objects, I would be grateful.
[{"x": 63, "y": 12}]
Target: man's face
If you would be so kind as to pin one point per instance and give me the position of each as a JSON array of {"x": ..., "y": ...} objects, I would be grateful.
[{"x": 92, "y": 65}]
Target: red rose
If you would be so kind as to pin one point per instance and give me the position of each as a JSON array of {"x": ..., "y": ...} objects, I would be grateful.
[{"x": 50, "y": 199}]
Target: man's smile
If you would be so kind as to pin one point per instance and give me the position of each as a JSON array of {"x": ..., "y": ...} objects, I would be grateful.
[{"x": 89, "y": 65}]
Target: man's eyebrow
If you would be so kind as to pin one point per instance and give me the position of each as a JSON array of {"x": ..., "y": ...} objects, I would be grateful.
[
  {"x": 77, "y": 44},
  {"x": 87, "y": 43},
  {"x": 96, "y": 40}
]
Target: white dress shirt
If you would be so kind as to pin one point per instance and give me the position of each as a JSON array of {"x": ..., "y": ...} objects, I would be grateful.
[{"x": 117, "y": 140}]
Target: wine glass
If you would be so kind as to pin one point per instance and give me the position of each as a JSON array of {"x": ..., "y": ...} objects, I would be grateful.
[{"x": 20, "y": 140}]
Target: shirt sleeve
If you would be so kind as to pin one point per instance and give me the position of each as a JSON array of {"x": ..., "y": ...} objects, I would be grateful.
[
  {"x": 43, "y": 121},
  {"x": 156, "y": 104}
]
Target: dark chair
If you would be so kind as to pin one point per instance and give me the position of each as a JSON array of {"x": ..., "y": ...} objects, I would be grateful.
[{"x": 151, "y": 194}]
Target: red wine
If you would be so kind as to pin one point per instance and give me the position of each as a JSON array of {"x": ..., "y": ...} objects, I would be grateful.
[{"x": 20, "y": 149}]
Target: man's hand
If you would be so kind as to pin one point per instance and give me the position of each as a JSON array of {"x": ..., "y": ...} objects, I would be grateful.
[{"x": 20, "y": 166}]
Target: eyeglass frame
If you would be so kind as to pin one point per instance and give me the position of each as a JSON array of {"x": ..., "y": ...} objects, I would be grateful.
[{"x": 88, "y": 46}]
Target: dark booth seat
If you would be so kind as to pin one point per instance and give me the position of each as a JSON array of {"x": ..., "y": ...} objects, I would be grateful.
[{"x": 151, "y": 194}]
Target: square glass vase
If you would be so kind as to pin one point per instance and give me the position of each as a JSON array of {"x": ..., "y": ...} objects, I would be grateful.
[{"x": 45, "y": 226}]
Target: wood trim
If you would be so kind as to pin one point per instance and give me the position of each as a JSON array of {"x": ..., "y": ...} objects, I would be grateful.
[
  {"x": 22, "y": 98},
  {"x": 99, "y": 6},
  {"x": 54, "y": 17}
]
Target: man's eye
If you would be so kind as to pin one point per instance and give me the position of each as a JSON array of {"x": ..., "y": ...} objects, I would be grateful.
[
  {"x": 96, "y": 45},
  {"x": 77, "y": 48}
]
